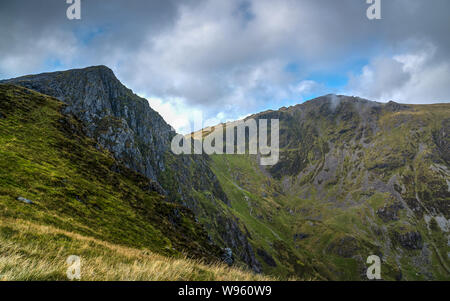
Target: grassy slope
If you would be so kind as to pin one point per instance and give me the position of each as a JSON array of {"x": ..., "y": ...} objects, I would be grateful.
[
  {"x": 256, "y": 201},
  {"x": 273, "y": 214},
  {"x": 29, "y": 251},
  {"x": 76, "y": 188}
]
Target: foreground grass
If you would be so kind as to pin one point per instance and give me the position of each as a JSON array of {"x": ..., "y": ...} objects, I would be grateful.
[{"x": 29, "y": 251}]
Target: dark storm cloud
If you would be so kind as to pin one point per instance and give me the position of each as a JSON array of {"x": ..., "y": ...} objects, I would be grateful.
[
  {"x": 234, "y": 56},
  {"x": 34, "y": 31}
]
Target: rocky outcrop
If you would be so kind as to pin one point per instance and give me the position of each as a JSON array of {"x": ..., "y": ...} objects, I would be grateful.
[
  {"x": 227, "y": 256},
  {"x": 442, "y": 140},
  {"x": 345, "y": 247},
  {"x": 411, "y": 240},
  {"x": 300, "y": 236},
  {"x": 121, "y": 121},
  {"x": 266, "y": 257},
  {"x": 235, "y": 239},
  {"x": 393, "y": 106},
  {"x": 24, "y": 200},
  {"x": 390, "y": 213}
]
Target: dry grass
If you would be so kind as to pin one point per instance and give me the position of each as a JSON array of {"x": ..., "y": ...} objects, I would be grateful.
[{"x": 29, "y": 251}]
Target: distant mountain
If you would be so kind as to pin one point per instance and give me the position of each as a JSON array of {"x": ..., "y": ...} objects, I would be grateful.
[{"x": 355, "y": 178}]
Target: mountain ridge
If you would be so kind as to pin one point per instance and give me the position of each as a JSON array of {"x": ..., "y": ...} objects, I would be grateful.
[
  {"x": 355, "y": 178},
  {"x": 348, "y": 179}
]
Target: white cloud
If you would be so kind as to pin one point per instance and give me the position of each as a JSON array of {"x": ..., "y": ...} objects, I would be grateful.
[
  {"x": 411, "y": 77},
  {"x": 184, "y": 118},
  {"x": 307, "y": 87},
  {"x": 229, "y": 58}
]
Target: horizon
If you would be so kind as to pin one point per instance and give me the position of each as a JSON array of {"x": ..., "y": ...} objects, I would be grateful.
[
  {"x": 225, "y": 60},
  {"x": 193, "y": 128}
]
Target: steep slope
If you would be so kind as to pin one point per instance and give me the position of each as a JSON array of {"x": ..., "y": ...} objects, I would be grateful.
[
  {"x": 33, "y": 252},
  {"x": 52, "y": 174},
  {"x": 138, "y": 137},
  {"x": 355, "y": 178}
]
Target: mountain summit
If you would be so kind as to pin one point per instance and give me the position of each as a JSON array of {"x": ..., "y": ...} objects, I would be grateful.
[{"x": 121, "y": 121}]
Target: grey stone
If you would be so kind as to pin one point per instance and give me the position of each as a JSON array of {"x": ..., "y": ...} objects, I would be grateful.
[
  {"x": 228, "y": 256},
  {"x": 410, "y": 240},
  {"x": 26, "y": 201}
]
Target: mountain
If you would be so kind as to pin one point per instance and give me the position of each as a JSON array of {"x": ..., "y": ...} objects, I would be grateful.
[
  {"x": 355, "y": 178},
  {"x": 52, "y": 175},
  {"x": 138, "y": 137},
  {"x": 60, "y": 195}
]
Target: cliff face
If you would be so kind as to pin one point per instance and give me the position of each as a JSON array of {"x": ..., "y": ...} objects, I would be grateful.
[
  {"x": 121, "y": 121},
  {"x": 138, "y": 137}
]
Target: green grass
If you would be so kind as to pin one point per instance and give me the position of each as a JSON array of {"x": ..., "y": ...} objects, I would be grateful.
[
  {"x": 29, "y": 251},
  {"x": 76, "y": 187},
  {"x": 402, "y": 144}
]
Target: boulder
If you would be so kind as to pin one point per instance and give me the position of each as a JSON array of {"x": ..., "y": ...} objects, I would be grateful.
[
  {"x": 26, "y": 201},
  {"x": 228, "y": 256}
]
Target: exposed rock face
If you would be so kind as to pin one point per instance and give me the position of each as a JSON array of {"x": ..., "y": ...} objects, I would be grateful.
[
  {"x": 351, "y": 173},
  {"x": 410, "y": 240},
  {"x": 442, "y": 140},
  {"x": 121, "y": 121},
  {"x": 390, "y": 213},
  {"x": 81, "y": 189},
  {"x": 138, "y": 137},
  {"x": 238, "y": 241},
  {"x": 266, "y": 257}
]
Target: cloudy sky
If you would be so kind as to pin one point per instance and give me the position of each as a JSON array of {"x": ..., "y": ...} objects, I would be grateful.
[{"x": 225, "y": 59}]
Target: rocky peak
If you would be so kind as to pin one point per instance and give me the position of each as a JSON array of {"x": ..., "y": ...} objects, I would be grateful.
[
  {"x": 121, "y": 121},
  {"x": 393, "y": 106}
]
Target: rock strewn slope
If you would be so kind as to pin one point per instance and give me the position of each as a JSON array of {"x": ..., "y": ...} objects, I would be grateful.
[{"x": 355, "y": 178}]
